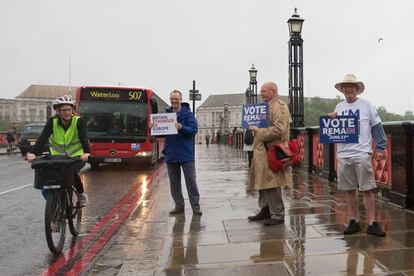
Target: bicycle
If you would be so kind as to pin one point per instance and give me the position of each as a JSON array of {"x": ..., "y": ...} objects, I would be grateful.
[{"x": 54, "y": 174}]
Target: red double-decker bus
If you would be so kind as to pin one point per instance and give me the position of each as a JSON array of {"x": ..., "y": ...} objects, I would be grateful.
[{"x": 117, "y": 119}]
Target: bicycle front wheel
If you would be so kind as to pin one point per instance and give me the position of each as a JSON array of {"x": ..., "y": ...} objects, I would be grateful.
[
  {"x": 55, "y": 221},
  {"x": 75, "y": 215}
]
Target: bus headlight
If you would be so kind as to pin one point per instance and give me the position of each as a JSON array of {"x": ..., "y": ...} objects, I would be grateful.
[{"x": 144, "y": 153}]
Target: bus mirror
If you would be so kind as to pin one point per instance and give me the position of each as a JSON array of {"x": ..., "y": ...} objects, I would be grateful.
[{"x": 154, "y": 105}]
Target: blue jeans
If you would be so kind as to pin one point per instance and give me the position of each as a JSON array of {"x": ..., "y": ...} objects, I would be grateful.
[{"x": 174, "y": 173}]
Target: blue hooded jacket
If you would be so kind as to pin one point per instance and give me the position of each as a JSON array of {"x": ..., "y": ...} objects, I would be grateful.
[{"x": 180, "y": 147}]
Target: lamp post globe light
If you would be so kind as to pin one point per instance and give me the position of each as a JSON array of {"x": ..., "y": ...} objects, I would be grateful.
[
  {"x": 296, "y": 106},
  {"x": 253, "y": 85}
]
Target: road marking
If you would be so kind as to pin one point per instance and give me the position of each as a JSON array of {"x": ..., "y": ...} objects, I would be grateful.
[
  {"x": 15, "y": 189},
  {"x": 111, "y": 221}
]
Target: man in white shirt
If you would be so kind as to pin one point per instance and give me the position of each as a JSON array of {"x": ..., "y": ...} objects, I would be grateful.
[{"x": 354, "y": 159}]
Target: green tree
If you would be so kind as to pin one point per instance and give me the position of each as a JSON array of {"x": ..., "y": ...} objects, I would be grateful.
[
  {"x": 388, "y": 117},
  {"x": 315, "y": 107}
]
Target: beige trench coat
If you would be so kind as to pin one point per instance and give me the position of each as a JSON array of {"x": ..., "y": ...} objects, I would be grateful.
[{"x": 261, "y": 177}]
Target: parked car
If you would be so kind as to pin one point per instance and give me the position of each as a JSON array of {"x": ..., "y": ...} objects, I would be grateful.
[{"x": 30, "y": 134}]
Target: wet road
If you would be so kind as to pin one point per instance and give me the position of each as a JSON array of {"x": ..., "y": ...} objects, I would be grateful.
[{"x": 23, "y": 248}]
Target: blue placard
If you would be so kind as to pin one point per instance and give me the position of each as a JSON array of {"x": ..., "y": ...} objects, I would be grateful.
[
  {"x": 342, "y": 129},
  {"x": 255, "y": 114}
]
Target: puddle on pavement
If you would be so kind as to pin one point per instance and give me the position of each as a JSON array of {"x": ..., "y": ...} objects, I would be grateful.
[
  {"x": 395, "y": 260},
  {"x": 353, "y": 263},
  {"x": 335, "y": 245},
  {"x": 256, "y": 252}
]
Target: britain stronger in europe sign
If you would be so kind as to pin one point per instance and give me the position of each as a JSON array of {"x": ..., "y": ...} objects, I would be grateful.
[
  {"x": 163, "y": 123},
  {"x": 342, "y": 129}
]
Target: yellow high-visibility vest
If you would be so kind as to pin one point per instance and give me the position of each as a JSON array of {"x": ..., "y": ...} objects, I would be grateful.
[{"x": 67, "y": 142}]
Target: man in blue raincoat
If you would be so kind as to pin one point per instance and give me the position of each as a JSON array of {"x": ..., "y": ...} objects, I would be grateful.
[{"x": 179, "y": 154}]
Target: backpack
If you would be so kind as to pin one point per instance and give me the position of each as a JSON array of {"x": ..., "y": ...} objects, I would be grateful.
[{"x": 248, "y": 137}]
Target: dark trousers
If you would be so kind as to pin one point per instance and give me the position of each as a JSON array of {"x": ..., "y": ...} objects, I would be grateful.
[
  {"x": 174, "y": 174},
  {"x": 250, "y": 157}
]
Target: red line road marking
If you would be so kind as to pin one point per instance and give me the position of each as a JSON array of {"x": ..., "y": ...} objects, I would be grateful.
[
  {"x": 93, "y": 251},
  {"x": 97, "y": 246},
  {"x": 59, "y": 263}
]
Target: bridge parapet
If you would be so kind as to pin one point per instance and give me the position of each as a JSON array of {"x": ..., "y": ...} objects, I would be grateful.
[{"x": 394, "y": 175}]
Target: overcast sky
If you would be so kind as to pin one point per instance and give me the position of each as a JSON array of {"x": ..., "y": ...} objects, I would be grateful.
[{"x": 166, "y": 44}]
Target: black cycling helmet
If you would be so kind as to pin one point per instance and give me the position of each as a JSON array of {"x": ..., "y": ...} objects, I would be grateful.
[{"x": 64, "y": 100}]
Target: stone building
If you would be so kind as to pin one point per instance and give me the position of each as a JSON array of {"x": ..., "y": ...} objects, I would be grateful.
[
  {"x": 7, "y": 109},
  {"x": 31, "y": 105}
]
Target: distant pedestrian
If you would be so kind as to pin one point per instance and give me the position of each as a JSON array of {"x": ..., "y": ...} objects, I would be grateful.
[
  {"x": 354, "y": 159},
  {"x": 11, "y": 137},
  {"x": 179, "y": 154},
  {"x": 218, "y": 135},
  {"x": 248, "y": 144},
  {"x": 207, "y": 138},
  {"x": 261, "y": 177}
]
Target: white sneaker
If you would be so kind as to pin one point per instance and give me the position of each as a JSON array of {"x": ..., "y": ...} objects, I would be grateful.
[{"x": 82, "y": 199}]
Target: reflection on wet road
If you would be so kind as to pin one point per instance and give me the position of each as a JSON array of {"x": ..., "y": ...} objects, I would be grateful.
[{"x": 113, "y": 191}]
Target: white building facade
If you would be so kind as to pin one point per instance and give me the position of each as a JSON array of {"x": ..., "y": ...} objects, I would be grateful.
[
  {"x": 219, "y": 114},
  {"x": 33, "y": 104}
]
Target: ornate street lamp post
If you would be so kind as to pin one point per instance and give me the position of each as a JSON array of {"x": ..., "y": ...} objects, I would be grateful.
[
  {"x": 296, "y": 106},
  {"x": 226, "y": 118},
  {"x": 252, "y": 86}
]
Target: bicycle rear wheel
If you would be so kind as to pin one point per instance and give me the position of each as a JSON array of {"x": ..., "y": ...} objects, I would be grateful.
[
  {"x": 75, "y": 217},
  {"x": 55, "y": 221}
]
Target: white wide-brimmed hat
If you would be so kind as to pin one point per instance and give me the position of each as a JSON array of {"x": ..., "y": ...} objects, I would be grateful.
[{"x": 351, "y": 78}]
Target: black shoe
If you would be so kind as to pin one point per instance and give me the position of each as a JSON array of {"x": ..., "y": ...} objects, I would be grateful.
[
  {"x": 270, "y": 222},
  {"x": 353, "y": 227},
  {"x": 197, "y": 212},
  {"x": 177, "y": 211},
  {"x": 375, "y": 230},
  {"x": 263, "y": 214}
]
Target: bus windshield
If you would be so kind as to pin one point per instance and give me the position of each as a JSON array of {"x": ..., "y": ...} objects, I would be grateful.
[{"x": 105, "y": 120}]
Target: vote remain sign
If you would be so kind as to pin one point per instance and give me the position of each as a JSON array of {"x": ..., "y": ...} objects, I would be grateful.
[
  {"x": 255, "y": 114},
  {"x": 342, "y": 129}
]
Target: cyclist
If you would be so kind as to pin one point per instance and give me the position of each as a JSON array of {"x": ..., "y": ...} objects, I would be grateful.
[
  {"x": 10, "y": 137},
  {"x": 67, "y": 136}
]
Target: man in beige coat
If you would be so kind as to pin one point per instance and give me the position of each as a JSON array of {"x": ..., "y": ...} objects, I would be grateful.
[{"x": 261, "y": 177}]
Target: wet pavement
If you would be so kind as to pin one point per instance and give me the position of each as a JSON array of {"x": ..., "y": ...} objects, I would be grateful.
[{"x": 224, "y": 242}]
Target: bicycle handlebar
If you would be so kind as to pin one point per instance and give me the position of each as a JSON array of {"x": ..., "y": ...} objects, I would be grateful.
[{"x": 53, "y": 159}]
